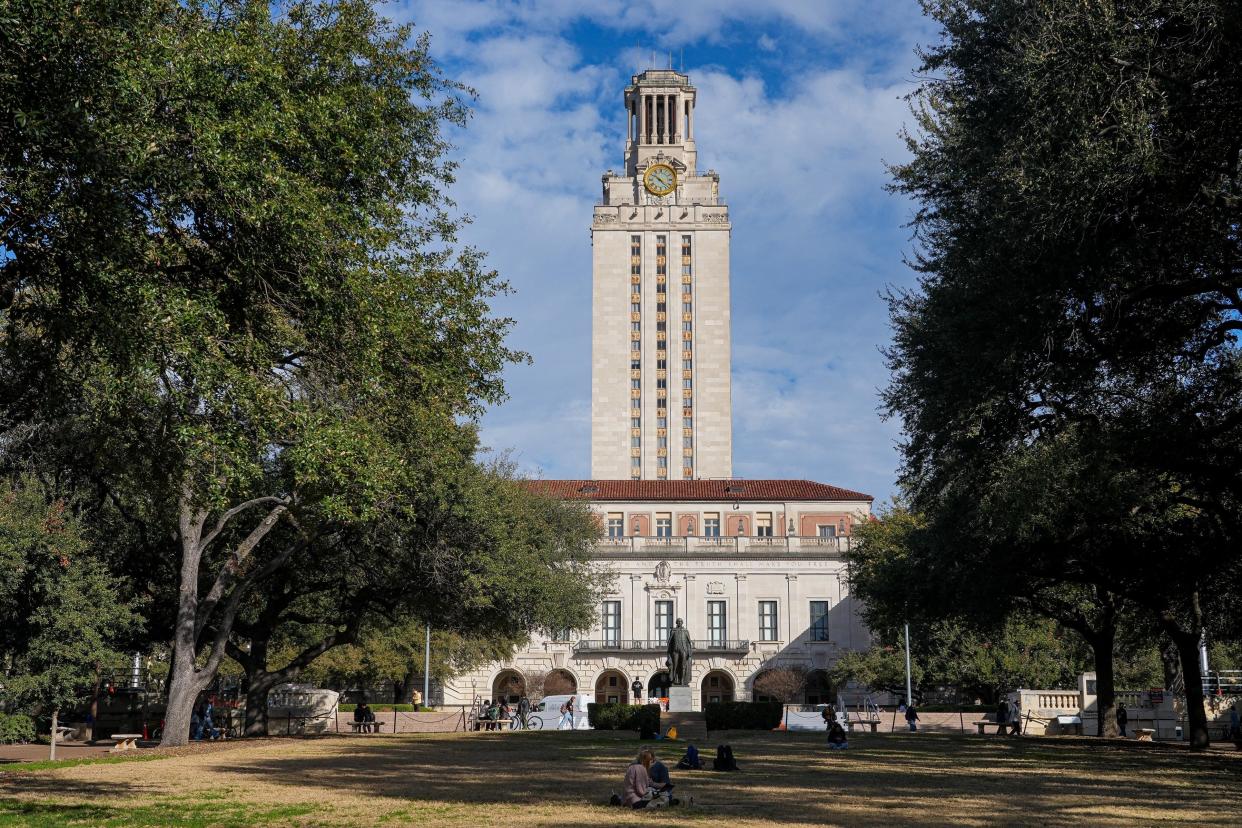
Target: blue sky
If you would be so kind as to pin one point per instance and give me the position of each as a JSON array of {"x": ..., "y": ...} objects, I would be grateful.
[{"x": 800, "y": 105}]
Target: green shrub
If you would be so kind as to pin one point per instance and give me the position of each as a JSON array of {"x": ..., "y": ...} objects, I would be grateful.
[
  {"x": 16, "y": 727},
  {"x": 383, "y": 708},
  {"x": 743, "y": 715},
  {"x": 637, "y": 717}
]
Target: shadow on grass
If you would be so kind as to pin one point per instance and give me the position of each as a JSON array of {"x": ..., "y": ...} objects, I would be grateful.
[
  {"x": 174, "y": 812},
  {"x": 785, "y": 778}
]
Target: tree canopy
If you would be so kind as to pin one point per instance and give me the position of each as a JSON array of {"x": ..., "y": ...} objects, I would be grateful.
[
  {"x": 1076, "y": 169},
  {"x": 232, "y": 301}
]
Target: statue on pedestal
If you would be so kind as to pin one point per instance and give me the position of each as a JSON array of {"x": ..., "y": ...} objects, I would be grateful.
[{"x": 680, "y": 655}]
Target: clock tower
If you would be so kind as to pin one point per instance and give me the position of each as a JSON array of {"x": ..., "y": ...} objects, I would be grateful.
[{"x": 661, "y": 405}]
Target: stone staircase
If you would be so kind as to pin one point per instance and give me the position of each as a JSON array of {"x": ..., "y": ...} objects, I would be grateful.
[{"x": 691, "y": 727}]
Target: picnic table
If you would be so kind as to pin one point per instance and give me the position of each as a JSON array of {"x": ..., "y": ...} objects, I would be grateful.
[{"x": 125, "y": 741}]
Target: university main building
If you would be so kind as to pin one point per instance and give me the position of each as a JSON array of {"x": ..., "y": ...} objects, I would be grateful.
[{"x": 755, "y": 567}]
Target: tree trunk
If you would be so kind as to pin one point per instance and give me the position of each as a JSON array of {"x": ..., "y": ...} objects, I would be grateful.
[
  {"x": 409, "y": 684},
  {"x": 1196, "y": 715},
  {"x": 260, "y": 685},
  {"x": 94, "y": 708},
  {"x": 1102, "y": 645},
  {"x": 55, "y": 724}
]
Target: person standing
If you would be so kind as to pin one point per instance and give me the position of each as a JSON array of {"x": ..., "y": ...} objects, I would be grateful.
[
  {"x": 567, "y": 714},
  {"x": 637, "y": 689},
  {"x": 523, "y": 712},
  {"x": 912, "y": 717},
  {"x": 1002, "y": 717},
  {"x": 1235, "y": 732},
  {"x": 1123, "y": 717}
]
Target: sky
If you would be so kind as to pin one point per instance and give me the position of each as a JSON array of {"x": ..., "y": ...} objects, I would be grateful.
[{"x": 800, "y": 107}]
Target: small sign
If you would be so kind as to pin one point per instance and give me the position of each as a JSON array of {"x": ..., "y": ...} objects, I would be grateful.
[{"x": 1156, "y": 694}]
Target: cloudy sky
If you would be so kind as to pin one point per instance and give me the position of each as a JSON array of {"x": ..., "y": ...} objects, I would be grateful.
[{"x": 800, "y": 103}]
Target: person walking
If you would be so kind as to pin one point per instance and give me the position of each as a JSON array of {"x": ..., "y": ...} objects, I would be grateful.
[
  {"x": 567, "y": 714},
  {"x": 523, "y": 711},
  {"x": 1235, "y": 731},
  {"x": 1123, "y": 717},
  {"x": 912, "y": 717}
]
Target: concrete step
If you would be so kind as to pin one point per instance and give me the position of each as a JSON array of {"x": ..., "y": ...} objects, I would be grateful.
[{"x": 691, "y": 727}]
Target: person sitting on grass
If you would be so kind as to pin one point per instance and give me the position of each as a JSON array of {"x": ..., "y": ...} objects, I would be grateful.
[
  {"x": 724, "y": 759},
  {"x": 691, "y": 760},
  {"x": 837, "y": 740},
  {"x": 661, "y": 781},
  {"x": 637, "y": 792}
]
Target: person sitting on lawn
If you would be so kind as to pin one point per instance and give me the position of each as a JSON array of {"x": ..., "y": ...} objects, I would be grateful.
[
  {"x": 837, "y": 740},
  {"x": 637, "y": 792},
  {"x": 691, "y": 760},
  {"x": 724, "y": 759},
  {"x": 661, "y": 781}
]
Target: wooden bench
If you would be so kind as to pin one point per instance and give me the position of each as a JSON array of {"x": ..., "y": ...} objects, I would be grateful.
[
  {"x": 1144, "y": 734},
  {"x": 125, "y": 741},
  {"x": 872, "y": 723},
  {"x": 367, "y": 727},
  {"x": 981, "y": 725}
]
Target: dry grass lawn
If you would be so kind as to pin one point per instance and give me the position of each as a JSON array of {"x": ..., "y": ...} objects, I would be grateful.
[{"x": 530, "y": 779}]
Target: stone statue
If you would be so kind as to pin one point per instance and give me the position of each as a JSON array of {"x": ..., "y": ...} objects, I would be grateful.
[{"x": 680, "y": 655}]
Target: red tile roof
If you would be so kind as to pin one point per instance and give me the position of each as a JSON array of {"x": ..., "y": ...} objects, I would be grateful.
[{"x": 701, "y": 490}]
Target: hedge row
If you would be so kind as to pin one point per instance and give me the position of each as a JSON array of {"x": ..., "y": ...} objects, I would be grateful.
[
  {"x": 16, "y": 727},
  {"x": 743, "y": 715},
  {"x": 638, "y": 717}
]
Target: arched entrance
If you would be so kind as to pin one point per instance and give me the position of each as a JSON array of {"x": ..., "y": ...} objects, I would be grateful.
[
  {"x": 560, "y": 682},
  {"x": 819, "y": 689},
  {"x": 717, "y": 687},
  {"x": 612, "y": 687},
  {"x": 657, "y": 686},
  {"x": 510, "y": 685}
]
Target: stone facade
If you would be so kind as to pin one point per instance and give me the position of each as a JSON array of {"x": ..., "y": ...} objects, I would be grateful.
[
  {"x": 751, "y": 600},
  {"x": 660, "y": 301}
]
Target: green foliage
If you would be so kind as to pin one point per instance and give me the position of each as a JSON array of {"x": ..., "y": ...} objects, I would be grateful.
[
  {"x": 61, "y": 612},
  {"x": 1023, "y": 652},
  {"x": 1068, "y": 371},
  {"x": 16, "y": 728},
  {"x": 743, "y": 715},
  {"x": 636, "y": 717}
]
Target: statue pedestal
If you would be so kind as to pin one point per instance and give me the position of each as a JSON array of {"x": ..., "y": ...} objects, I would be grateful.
[{"x": 680, "y": 699}]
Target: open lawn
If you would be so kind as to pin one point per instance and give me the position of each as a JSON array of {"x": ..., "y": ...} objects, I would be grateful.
[{"x": 528, "y": 779}]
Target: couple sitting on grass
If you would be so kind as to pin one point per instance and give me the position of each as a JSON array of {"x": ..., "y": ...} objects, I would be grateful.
[{"x": 647, "y": 784}]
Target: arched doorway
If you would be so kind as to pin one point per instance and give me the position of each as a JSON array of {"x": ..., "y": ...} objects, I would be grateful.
[
  {"x": 657, "y": 686},
  {"x": 559, "y": 683},
  {"x": 717, "y": 687},
  {"x": 509, "y": 685},
  {"x": 819, "y": 689},
  {"x": 612, "y": 687}
]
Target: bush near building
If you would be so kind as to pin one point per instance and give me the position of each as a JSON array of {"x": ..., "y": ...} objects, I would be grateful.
[
  {"x": 639, "y": 717},
  {"x": 743, "y": 715}
]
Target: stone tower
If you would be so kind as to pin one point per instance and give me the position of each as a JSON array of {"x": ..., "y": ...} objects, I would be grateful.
[{"x": 661, "y": 405}]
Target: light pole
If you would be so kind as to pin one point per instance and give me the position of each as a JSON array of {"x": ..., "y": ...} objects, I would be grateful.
[
  {"x": 909, "y": 696},
  {"x": 427, "y": 670}
]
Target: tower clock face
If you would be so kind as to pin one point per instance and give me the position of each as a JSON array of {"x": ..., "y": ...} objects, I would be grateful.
[{"x": 660, "y": 179}]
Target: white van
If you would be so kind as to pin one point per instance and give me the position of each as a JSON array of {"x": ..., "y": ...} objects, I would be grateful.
[{"x": 549, "y": 710}]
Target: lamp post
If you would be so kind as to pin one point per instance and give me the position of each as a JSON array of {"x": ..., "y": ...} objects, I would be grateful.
[
  {"x": 909, "y": 695},
  {"x": 427, "y": 669}
]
